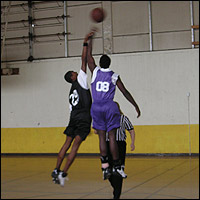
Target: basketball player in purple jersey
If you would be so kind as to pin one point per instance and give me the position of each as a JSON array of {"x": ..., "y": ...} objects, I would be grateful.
[{"x": 104, "y": 111}]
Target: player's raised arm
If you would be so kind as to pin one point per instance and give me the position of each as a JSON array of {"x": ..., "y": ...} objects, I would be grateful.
[
  {"x": 84, "y": 53},
  {"x": 90, "y": 59},
  {"x": 128, "y": 96}
]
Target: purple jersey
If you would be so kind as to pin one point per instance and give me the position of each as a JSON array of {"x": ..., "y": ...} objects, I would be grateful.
[
  {"x": 105, "y": 112},
  {"x": 103, "y": 84}
]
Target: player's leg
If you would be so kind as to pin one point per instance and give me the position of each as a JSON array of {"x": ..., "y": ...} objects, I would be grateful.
[
  {"x": 116, "y": 180},
  {"x": 70, "y": 159},
  {"x": 113, "y": 144},
  {"x": 73, "y": 153},
  {"x": 113, "y": 122},
  {"x": 60, "y": 158},
  {"x": 103, "y": 153},
  {"x": 113, "y": 147},
  {"x": 115, "y": 154},
  {"x": 63, "y": 151},
  {"x": 122, "y": 153}
]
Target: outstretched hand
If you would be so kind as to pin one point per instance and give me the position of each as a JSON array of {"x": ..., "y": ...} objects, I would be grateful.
[
  {"x": 90, "y": 34},
  {"x": 94, "y": 29}
]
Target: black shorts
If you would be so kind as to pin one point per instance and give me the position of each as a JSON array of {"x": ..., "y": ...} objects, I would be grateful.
[{"x": 79, "y": 127}]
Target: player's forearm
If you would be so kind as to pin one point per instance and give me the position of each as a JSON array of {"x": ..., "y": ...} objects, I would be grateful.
[
  {"x": 130, "y": 99},
  {"x": 90, "y": 59},
  {"x": 84, "y": 55},
  {"x": 89, "y": 53},
  {"x": 132, "y": 133},
  {"x": 84, "y": 58}
]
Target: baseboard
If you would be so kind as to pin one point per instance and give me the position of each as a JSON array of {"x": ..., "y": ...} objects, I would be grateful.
[{"x": 97, "y": 154}]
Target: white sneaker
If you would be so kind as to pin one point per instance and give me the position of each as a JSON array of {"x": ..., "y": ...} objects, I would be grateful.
[
  {"x": 62, "y": 177},
  {"x": 119, "y": 171}
]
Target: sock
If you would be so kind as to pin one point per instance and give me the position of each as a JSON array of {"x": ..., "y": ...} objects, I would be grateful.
[
  {"x": 104, "y": 162},
  {"x": 117, "y": 163},
  {"x": 104, "y": 165},
  {"x": 64, "y": 174},
  {"x": 57, "y": 170}
]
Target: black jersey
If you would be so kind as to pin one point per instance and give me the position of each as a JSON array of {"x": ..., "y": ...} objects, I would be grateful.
[{"x": 80, "y": 98}]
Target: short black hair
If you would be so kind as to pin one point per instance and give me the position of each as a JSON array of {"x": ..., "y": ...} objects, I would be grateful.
[
  {"x": 67, "y": 76},
  {"x": 104, "y": 61}
]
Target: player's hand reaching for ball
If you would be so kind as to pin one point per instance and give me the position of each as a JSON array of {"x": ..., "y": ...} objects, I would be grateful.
[
  {"x": 94, "y": 29},
  {"x": 90, "y": 34}
]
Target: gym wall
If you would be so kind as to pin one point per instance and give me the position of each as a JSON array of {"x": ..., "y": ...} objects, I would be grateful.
[
  {"x": 160, "y": 68},
  {"x": 126, "y": 28},
  {"x": 35, "y": 107}
]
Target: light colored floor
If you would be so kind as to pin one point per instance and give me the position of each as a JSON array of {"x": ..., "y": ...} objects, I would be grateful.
[{"x": 28, "y": 177}]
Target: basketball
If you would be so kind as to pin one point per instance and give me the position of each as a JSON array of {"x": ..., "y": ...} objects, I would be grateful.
[{"x": 97, "y": 15}]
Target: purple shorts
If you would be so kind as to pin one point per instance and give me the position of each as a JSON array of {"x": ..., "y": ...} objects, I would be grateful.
[{"x": 105, "y": 115}]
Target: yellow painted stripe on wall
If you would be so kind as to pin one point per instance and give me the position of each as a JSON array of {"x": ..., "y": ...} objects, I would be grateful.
[{"x": 149, "y": 139}]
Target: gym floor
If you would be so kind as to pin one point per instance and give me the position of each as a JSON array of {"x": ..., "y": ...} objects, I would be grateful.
[{"x": 29, "y": 177}]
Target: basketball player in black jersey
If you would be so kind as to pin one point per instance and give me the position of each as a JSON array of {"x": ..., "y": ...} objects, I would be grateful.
[{"x": 80, "y": 119}]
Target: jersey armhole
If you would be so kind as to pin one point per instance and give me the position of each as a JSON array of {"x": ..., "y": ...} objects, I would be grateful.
[
  {"x": 115, "y": 78},
  {"x": 94, "y": 73},
  {"x": 82, "y": 79}
]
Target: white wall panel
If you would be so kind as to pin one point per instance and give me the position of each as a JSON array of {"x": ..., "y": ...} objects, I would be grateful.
[
  {"x": 170, "y": 15},
  {"x": 47, "y": 13},
  {"x": 16, "y": 33},
  {"x": 49, "y": 30},
  {"x": 131, "y": 43},
  {"x": 75, "y": 47},
  {"x": 172, "y": 40},
  {"x": 196, "y": 12},
  {"x": 123, "y": 30},
  {"x": 130, "y": 17},
  {"x": 46, "y": 49},
  {"x": 16, "y": 16},
  {"x": 78, "y": 3},
  {"x": 21, "y": 52},
  {"x": 159, "y": 82},
  {"x": 80, "y": 23}
]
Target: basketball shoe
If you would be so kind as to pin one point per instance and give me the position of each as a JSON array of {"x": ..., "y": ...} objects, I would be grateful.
[
  {"x": 54, "y": 176},
  {"x": 118, "y": 170},
  {"x": 62, "y": 177},
  {"x": 106, "y": 173}
]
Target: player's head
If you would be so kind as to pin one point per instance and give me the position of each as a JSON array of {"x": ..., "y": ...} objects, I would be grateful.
[
  {"x": 104, "y": 61},
  {"x": 70, "y": 76}
]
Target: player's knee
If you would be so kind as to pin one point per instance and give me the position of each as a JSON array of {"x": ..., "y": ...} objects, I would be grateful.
[
  {"x": 111, "y": 135},
  {"x": 61, "y": 155}
]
